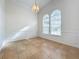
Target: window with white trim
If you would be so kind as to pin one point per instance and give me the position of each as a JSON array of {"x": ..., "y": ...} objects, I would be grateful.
[
  {"x": 46, "y": 24},
  {"x": 55, "y": 22},
  {"x": 52, "y": 23}
]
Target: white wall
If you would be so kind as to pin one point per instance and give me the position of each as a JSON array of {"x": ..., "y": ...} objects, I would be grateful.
[
  {"x": 2, "y": 22},
  {"x": 70, "y": 21},
  {"x": 20, "y": 21}
]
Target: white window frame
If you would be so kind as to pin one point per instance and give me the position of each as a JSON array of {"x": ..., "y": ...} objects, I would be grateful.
[{"x": 50, "y": 25}]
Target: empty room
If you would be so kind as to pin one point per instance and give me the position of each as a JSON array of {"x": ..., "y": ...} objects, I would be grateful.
[{"x": 39, "y": 29}]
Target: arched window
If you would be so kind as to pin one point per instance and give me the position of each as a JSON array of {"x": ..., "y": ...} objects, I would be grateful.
[
  {"x": 55, "y": 22},
  {"x": 46, "y": 24}
]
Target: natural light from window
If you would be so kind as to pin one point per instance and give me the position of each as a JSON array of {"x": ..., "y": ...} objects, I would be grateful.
[
  {"x": 52, "y": 23},
  {"x": 46, "y": 24},
  {"x": 55, "y": 23}
]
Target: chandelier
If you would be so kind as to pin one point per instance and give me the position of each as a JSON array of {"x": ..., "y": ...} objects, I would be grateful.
[{"x": 35, "y": 7}]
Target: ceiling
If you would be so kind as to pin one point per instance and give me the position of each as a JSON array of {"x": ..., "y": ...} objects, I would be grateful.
[{"x": 29, "y": 3}]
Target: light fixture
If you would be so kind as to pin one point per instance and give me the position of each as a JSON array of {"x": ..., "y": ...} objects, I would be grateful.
[{"x": 35, "y": 7}]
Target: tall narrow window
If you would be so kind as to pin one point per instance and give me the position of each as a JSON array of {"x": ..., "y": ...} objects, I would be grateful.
[
  {"x": 55, "y": 22},
  {"x": 46, "y": 24}
]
